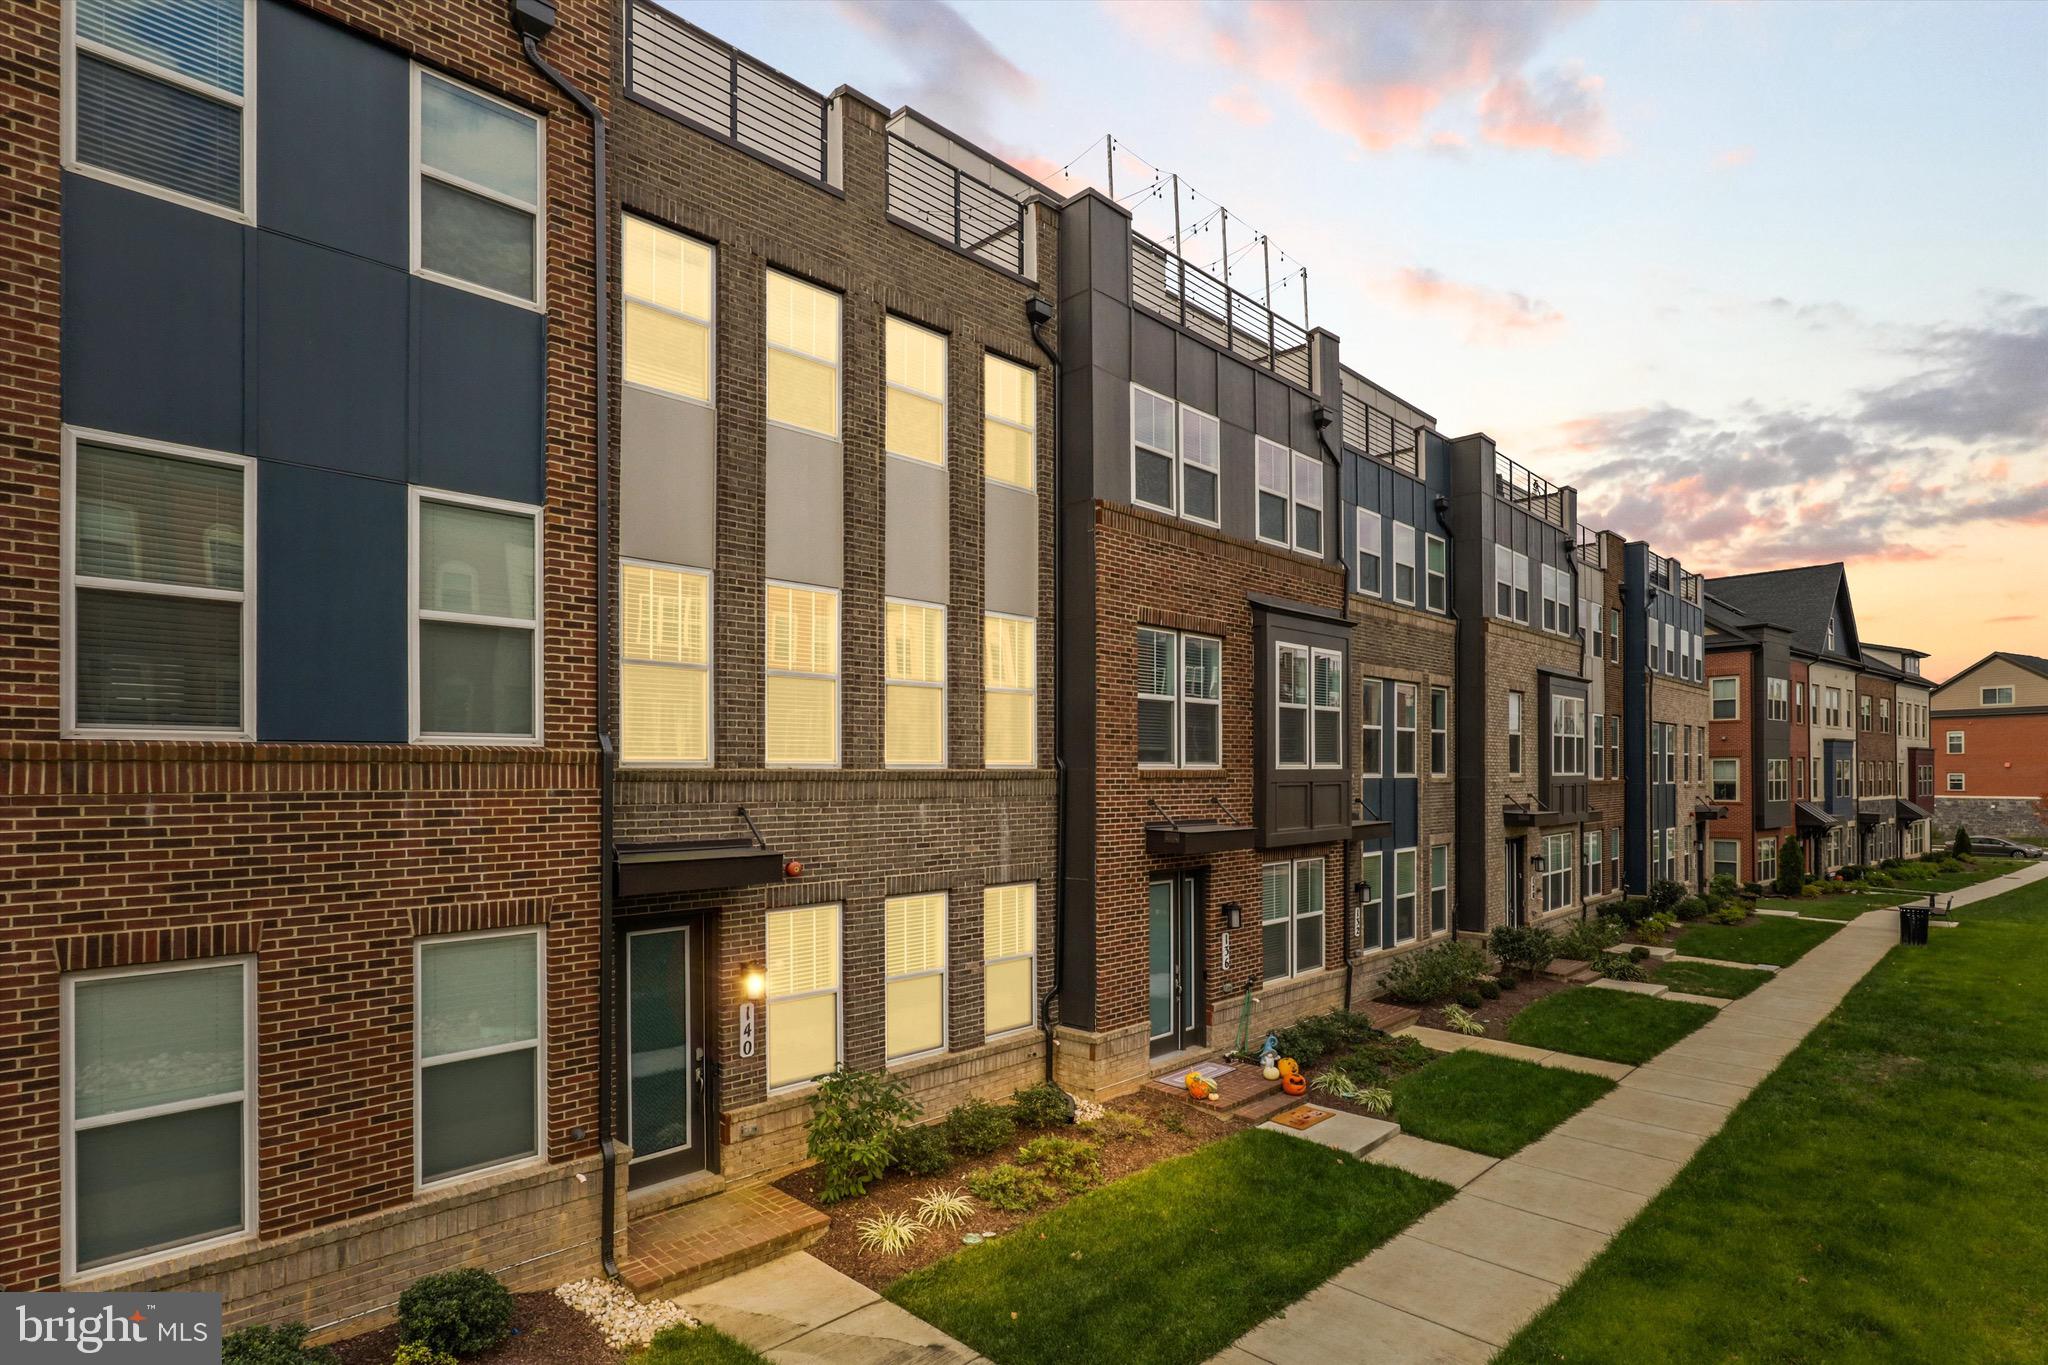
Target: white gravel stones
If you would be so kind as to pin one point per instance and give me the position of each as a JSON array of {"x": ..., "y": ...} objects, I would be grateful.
[{"x": 622, "y": 1319}]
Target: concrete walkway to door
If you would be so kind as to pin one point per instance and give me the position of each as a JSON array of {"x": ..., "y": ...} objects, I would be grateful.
[
  {"x": 1463, "y": 1280},
  {"x": 800, "y": 1311}
]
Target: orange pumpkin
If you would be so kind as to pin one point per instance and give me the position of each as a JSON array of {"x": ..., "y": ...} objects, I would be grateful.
[{"x": 1294, "y": 1083}]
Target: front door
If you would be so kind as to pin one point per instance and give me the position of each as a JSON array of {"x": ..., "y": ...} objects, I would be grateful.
[
  {"x": 1174, "y": 926},
  {"x": 1516, "y": 907},
  {"x": 664, "y": 1053}
]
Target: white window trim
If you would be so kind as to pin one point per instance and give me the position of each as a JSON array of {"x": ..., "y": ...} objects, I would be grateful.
[
  {"x": 1521, "y": 587},
  {"x": 837, "y": 678},
  {"x": 539, "y": 1045},
  {"x": 838, "y": 366},
  {"x": 1373, "y": 717},
  {"x": 1030, "y": 430},
  {"x": 987, "y": 689},
  {"x": 1567, "y": 750},
  {"x": 1316, "y": 708},
  {"x": 1378, "y": 859},
  {"x": 1377, "y": 535},
  {"x": 1295, "y": 917},
  {"x": 838, "y": 909},
  {"x": 1777, "y": 780},
  {"x": 1987, "y": 696},
  {"x": 943, "y": 972},
  {"x": 987, "y": 962},
  {"x": 709, "y": 324},
  {"x": 1435, "y": 887},
  {"x": 415, "y": 495},
  {"x": 1713, "y": 782},
  {"x": 1171, "y": 697},
  {"x": 1296, "y": 503},
  {"x": 1955, "y": 741},
  {"x": 1183, "y": 702},
  {"x": 1955, "y": 782},
  {"x": 68, "y": 1123},
  {"x": 944, "y": 397},
  {"x": 1503, "y": 577},
  {"x": 1403, "y": 532},
  {"x": 1415, "y": 879},
  {"x": 1434, "y": 693},
  {"x": 1430, "y": 576},
  {"x": 70, "y": 582},
  {"x": 1172, "y": 457},
  {"x": 1734, "y": 698},
  {"x": 709, "y": 666},
  {"x": 539, "y": 208},
  {"x": 1555, "y": 869},
  {"x": 1282, "y": 648},
  {"x": 1413, "y": 731},
  {"x": 1596, "y": 752},
  {"x": 1515, "y": 728},
  {"x": 1184, "y": 464},
  {"x": 1285, "y": 493},
  {"x": 72, "y": 44},
  {"x": 945, "y": 668}
]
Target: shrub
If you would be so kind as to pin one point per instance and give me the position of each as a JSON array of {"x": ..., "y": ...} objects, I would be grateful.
[
  {"x": 1120, "y": 1125},
  {"x": 1615, "y": 967},
  {"x": 1692, "y": 908},
  {"x": 920, "y": 1150},
  {"x": 1489, "y": 989},
  {"x": 1374, "y": 1099},
  {"x": 1044, "y": 1105},
  {"x": 1385, "y": 1051},
  {"x": 1009, "y": 1188},
  {"x": 1630, "y": 911},
  {"x": 977, "y": 1127},
  {"x": 1435, "y": 974},
  {"x": 417, "y": 1353},
  {"x": 1752, "y": 889},
  {"x": 1734, "y": 913},
  {"x": 1961, "y": 847},
  {"x": 1791, "y": 867},
  {"x": 1724, "y": 887},
  {"x": 1853, "y": 872},
  {"x": 1523, "y": 947},
  {"x": 461, "y": 1312},
  {"x": 1664, "y": 895},
  {"x": 1588, "y": 938},
  {"x": 1506, "y": 978},
  {"x": 1457, "y": 1017},
  {"x": 1878, "y": 879},
  {"x": 1638, "y": 953},
  {"x": 284, "y": 1344},
  {"x": 1067, "y": 1163},
  {"x": 891, "y": 1234},
  {"x": 1470, "y": 998},
  {"x": 939, "y": 1207},
  {"x": 1653, "y": 929},
  {"x": 855, "y": 1119},
  {"x": 1317, "y": 1036}
]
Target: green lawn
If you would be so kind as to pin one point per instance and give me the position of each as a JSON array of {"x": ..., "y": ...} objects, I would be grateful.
[
  {"x": 1173, "y": 1264},
  {"x": 1615, "y": 1025},
  {"x": 1703, "y": 978},
  {"x": 1493, "y": 1105},
  {"x": 1780, "y": 942},
  {"x": 1980, "y": 870},
  {"x": 1841, "y": 907},
  {"x": 697, "y": 1346},
  {"x": 1877, "y": 1199}
]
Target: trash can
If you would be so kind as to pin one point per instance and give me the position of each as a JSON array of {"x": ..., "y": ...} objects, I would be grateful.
[{"x": 1913, "y": 924}]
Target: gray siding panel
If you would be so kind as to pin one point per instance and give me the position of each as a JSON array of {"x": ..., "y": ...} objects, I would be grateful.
[
  {"x": 330, "y": 386},
  {"x": 916, "y": 558},
  {"x": 1010, "y": 535},
  {"x": 806, "y": 516},
  {"x": 669, "y": 460},
  {"x": 479, "y": 373}
]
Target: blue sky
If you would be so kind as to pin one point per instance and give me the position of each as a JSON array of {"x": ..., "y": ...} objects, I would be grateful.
[{"x": 1768, "y": 281}]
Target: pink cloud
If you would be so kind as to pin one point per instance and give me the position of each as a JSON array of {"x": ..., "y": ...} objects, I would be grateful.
[
  {"x": 1494, "y": 316},
  {"x": 1563, "y": 114},
  {"x": 2009, "y": 620},
  {"x": 1734, "y": 157},
  {"x": 1241, "y": 105}
]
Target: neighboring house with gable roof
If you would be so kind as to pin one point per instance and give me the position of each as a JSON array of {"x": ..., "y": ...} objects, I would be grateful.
[{"x": 1990, "y": 741}]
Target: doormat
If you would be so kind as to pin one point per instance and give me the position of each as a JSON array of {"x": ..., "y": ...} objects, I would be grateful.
[
  {"x": 1177, "y": 1079},
  {"x": 1302, "y": 1117}
]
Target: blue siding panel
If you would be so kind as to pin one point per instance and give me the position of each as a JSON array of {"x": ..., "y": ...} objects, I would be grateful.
[
  {"x": 479, "y": 371},
  {"x": 329, "y": 359}
]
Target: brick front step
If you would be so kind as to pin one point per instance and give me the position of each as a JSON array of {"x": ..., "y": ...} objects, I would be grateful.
[
  {"x": 695, "y": 1244},
  {"x": 1388, "y": 1017}
]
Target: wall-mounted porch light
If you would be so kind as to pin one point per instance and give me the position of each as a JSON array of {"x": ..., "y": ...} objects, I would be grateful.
[
  {"x": 1233, "y": 914},
  {"x": 753, "y": 981}
]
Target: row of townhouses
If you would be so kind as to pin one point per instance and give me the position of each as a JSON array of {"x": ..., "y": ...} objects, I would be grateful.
[{"x": 560, "y": 583}]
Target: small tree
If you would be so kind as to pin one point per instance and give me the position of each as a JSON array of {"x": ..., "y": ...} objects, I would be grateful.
[
  {"x": 855, "y": 1117},
  {"x": 1962, "y": 848},
  {"x": 1791, "y": 867}
]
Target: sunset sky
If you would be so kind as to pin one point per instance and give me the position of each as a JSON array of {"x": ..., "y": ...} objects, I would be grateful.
[{"x": 1767, "y": 282}]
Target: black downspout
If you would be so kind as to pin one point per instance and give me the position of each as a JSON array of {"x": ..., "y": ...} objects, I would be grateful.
[
  {"x": 607, "y": 752},
  {"x": 1039, "y": 314},
  {"x": 1321, "y": 422}
]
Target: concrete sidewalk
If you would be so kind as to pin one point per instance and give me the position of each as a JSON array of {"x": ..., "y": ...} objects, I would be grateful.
[
  {"x": 1464, "y": 1279},
  {"x": 798, "y": 1309}
]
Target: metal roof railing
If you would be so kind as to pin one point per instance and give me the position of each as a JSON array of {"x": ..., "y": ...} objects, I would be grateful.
[
  {"x": 1590, "y": 548},
  {"x": 1162, "y": 282},
  {"x": 682, "y": 70},
  {"x": 1512, "y": 483},
  {"x": 937, "y": 196}
]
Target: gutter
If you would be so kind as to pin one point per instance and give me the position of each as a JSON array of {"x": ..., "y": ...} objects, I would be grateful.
[
  {"x": 1038, "y": 312},
  {"x": 534, "y": 20}
]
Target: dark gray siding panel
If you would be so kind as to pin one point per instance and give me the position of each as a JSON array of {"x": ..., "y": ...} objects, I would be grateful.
[
  {"x": 332, "y": 153},
  {"x": 152, "y": 330},
  {"x": 330, "y": 366},
  {"x": 331, "y": 612},
  {"x": 1197, "y": 374},
  {"x": 480, "y": 383},
  {"x": 1152, "y": 354}
]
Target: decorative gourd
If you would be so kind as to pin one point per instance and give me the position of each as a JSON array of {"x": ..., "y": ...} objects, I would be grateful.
[
  {"x": 1199, "y": 1086},
  {"x": 1294, "y": 1083},
  {"x": 1287, "y": 1066}
]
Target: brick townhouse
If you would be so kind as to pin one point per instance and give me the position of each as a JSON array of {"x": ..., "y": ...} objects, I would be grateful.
[
  {"x": 1600, "y": 567},
  {"x": 300, "y": 813},
  {"x": 1912, "y": 776},
  {"x": 1755, "y": 735},
  {"x": 834, "y": 832},
  {"x": 1989, "y": 728},
  {"x": 1664, "y": 716}
]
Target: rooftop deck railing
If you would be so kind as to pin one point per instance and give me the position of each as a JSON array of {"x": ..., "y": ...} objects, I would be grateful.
[
  {"x": 1377, "y": 434},
  {"x": 1590, "y": 548},
  {"x": 681, "y": 69},
  {"x": 1163, "y": 283},
  {"x": 1525, "y": 489},
  {"x": 940, "y": 198}
]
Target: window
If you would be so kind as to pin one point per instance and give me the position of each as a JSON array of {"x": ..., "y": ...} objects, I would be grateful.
[
  {"x": 1863, "y": 712},
  {"x": 1568, "y": 736},
  {"x": 914, "y": 691},
  {"x": 1766, "y": 860},
  {"x": 1599, "y": 635},
  {"x": 1557, "y": 600},
  {"x": 1371, "y": 749},
  {"x": 1614, "y": 857},
  {"x": 1686, "y": 768},
  {"x": 1614, "y": 636},
  {"x": 1503, "y": 582},
  {"x": 803, "y": 355},
  {"x": 1671, "y": 854},
  {"x": 160, "y": 620},
  {"x": 1404, "y": 895},
  {"x": 1599, "y": 752},
  {"x": 1327, "y": 701},
  {"x": 1726, "y": 774},
  {"x": 1273, "y": 464},
  {"x": 1685, "y": 655},
  {"x": 1369, "y": 543},
  {"x": 1799, "y": 703},
  {"x": 475, "y": 628},
  {"x": 1439, "y": 731},
  {"x": 1010, "y": 682},
  {"x": 155, "y": 98},
  {"x": 1515, "y": 734},
  {"x": 1009, "y": 957},
  {"x": 1727, "y": 703},
  {"x": 1884, "y": 715},
  {"x": 157, "y": 1122},
  {"x": 1614, "y": 748},
  {"x": 1308, "y": 517},
  {"x": 481, "y": 1069},
  {"x": 1591, "y": 879},
  {"x": 1154, "y": 449},
  {"x": 1522, "y": 588},
  {"x": 1955, "y": 782},
  {"x": 1371, "y": 876},
  {"x": 1436, "y": 573},
  {"x": 668, "y": 309},
  {"x": 1439, "y": 888},
  {"x": 665, "y": 664},
  {"x": 1404, "y": 729},
  {"x": 1842, "y": 778},
  {"x": 1670, "y": 650},
  {"x": 1775, "y": 706},
  {"x": 1699, "y": 657},
  {"x": 1404, "y": 563},
  {"x": 1200, "y": 460},
  {"x": 1727, "y": 855},
  {"x": 914, "y": 937},
  {"x": 1180, "y": 699},
  {"x": 1834, "y": 707},
  {"x": 1557, "y": 871},
  {"x": 1670, "y": 753},
  {"x": 1955, "y": 741},
  {"x": 1994, "y": 696},
  {"x": 913, "y": 392},
  {"x": 1777, "y": 779},
  {"x": 1290, "y": 701},
  {"x": 1009, "y": 422},
  {"x": 802, "y": 721},
  {"x": 477, "y": 221},
  {"x": 1819, "y": 782},
  {"x": 802, "y": 1010},
  {"x": 1291, "y": 917},
  {"x": 1657, "y": 753}
]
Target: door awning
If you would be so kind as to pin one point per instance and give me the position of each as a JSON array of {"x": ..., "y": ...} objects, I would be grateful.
[
  {"x": 1187, "y": 838},
  {"x": 1811, "y": 816},
  {"x": 696, "y": 865},
  {"x": 1871, "y": 819},
  {"x": 1911, "y": 813},
  {"x": 1707, "y": 810},
  {"x": 1533, "y": 814}
]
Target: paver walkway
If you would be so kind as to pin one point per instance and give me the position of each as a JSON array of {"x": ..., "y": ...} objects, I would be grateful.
[
  {"x": 798, "y": 1309},
  {"x": 1463, "y": 1280}
]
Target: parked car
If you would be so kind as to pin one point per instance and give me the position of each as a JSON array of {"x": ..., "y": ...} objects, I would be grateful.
[{"x": 1988, "y": 846}]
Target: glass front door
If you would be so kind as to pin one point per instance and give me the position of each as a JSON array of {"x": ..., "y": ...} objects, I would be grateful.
[
  {"x": 1174, "y": 921},
  {"x": 1516, "y": 906},
  {"x": 663, "y": 1063}
]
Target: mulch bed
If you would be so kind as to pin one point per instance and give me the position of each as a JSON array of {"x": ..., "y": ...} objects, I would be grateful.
[
  {"x": 1496, "y": 1013},
  {"x": 1179, "y": 1126},
  {"x": 546, "y": 1332}
]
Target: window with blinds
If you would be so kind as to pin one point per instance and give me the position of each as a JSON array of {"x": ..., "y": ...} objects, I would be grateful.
[
  {"x": 803, "y": 355},
  {"x": 802, "y": 722},
  {"x": 665, "y": 664},
  {"x": 1308, "y": 507},
  {"x": 479, "y": 1052},
  {"x": 161, "y": 622},
  {"x": 476, "y": 636},
  {"x": 1009, "y": 676},
  {"x": 1158, "y": 697},
  {"x": 156, "y": 100},
  {"x": 1290, "y": 705},
  {"x": 914, "y": 395},
  {"x": 1272, "y": 460},
  {"x": 480, "y": 180},
  {"x": 668, "y": 310},
  {"x": 1009, "y": 422},
  {"x": 1200, "y": 465},
  {"x": 914, "y": 693},
  {"x": 914, "y": 932},
  {"x": 158, "y": 1068},
  {"x": 1009, "y": 956},
  {"x": 1154, "y": 449},
  {"x": 803, "y": 994},
  {"x": 1327, "y": 700}
]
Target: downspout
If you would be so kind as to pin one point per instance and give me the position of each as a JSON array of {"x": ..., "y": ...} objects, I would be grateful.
[
  {"x": 1038, "y": 312},
  {"x": 1320, "y": 418},
  {"x": 533, "y": 20}
]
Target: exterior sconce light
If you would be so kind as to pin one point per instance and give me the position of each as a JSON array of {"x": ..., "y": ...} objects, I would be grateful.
[
  {"x": 753, "y": 981},
  {"x": 1537, "y": 862},
  {"x": 1233, "y": 915}
]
